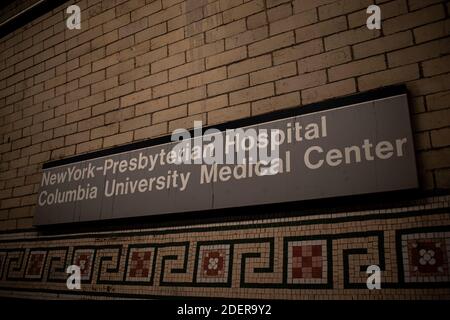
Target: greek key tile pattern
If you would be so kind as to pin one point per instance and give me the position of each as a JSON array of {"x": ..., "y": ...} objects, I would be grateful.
[{"x": 304, "y": 257}]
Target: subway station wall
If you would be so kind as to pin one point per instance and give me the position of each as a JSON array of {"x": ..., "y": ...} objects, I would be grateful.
[{"x": 139, "y": 69}]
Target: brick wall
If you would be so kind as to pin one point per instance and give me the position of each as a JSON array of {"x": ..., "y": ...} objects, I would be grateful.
[{"x": 139, "y": 69}]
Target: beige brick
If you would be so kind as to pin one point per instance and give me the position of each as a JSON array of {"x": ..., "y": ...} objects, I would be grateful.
[
  {"x": 388, "y": 77},
  {"x": 71, "y": 90},
  {"x": 170, "y": 114},
  {"x": 116, "y": 23},
  {"x": 77, "y": 138},
  {"x": 276, "y": 103},
  {"x": 152, "y": 106},
  {"x": 134, "y": 74},
  {"x": 303, "y": 81},
  {"x": 92, "y": 78},
  {"x": 207, "y": 105},
  {"x": 228, "y": 4},
  {"x": 350, "y": 37},
  {"x": 413, "y": 19},
  {"x": 119, "y": 68},
  {"x": 78, "y": 50},
  {"x": 205, "y": 50},
  {"x": 102, "y": 17},
  {"x": 274, "y": 73},
  {"x": 257, "y": 20},
  {"x": 324, "y": 60},
  {"x": 211, "y": 8},
  {"x": 434, "y": 159},
  {"x": 418, "y": 104},
  {"x": 118, "y": 139},
  {"x": 432, "y": 120},
  {"x": 150, "y": 33},
  {"x": 129, "y": 6},
  {"x": 170, "y": 88},
  {"x": 63, "y": 153},
  {"x": 280, "y": 12},
  {"x": 105, "y": 84},
  {"x": 226, "y": 57},
  {"x": 321, "y": 29},
  {"x": 45, "y": 95},
  {"x": 203, "y": 25},
  {"x": 442, "y": 178},
  {"x": 72, "y": 64},
  {"x": 186, "y": 70},
  {"x": 92, "y": 100},
  {"x": 418, "y": 4},
  {"x": 65, "y": 130},
  {"x": 91, "y": 123},
  {"x": 296, "y": 21},
  {"x": 302, "y": 5},
  {"x": 53, "y": 62},
  {"x": 165, "y": 15},
  {"x": 105, "y": 107},
  {"x": 243, "y": 10},
  {"x": 228, "y": 85},
  {"x": 136, "y": 97},
  {"x": 436, "y": 66},
  {"x": 440, "y": 138},
  {"x": 97, "y": 43},
  {"x": 432, "y": 31},
  {"x": 167, "y": 38},
  {"x": 151, "y": 131},
  {"x": 53, "y": 144},
  {"x": 152, "y": 80},
  {"x": 384, "y": 44},
  {"x": 21, "y": 143},
  {"x": 105, "y": 62},
  {"x": 225, "y": 31},
  {"x": 119, "y": 91},
  {"x": 186, "y": 44},
  {"x": 151, "y": 56},
  {"x": 133, "y": 28},
  {"x": 419, "y": 53},
  {"x": 78, "y": 115},
  {"x": 422, "y": 141},
  {"x": 146, "y": 10},
  {"x": 55, "y": 122},
  {"x": 335, "y": 89},
  {"x": 247, "y": 37},
  {"x": 342, "y": 7},
  {"x": 430, "y": 85},
  {"x": 104, "y": 131},
  {"x": 25, "y": 122},
  {"x": 229, "y": 114},
  {"x": 135, "y": 123},
  {"x": 187, "y": 96},
  {"x": 188, "y": 18},
  {"x": 187, "y": 122},
  {"x": 89, "y": 146},
  {"x": 207, "y": 77},
  {"x": 271, "y": 44},
  {"x": 249, "y": 65},
  {"x": 168, "y": 63},
  {"x": 24, "y": 211},
  {"x": 252, "y": 93},
  {"x": 51, "y": 83},
  {"x": 438, "y": 100},
  {"x": 297, "y": 52},
  {"x": 77, "y": 94},
  {"x": 357, "y": 68}
]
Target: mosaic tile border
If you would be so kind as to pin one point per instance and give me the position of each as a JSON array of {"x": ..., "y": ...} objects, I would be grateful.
[{"x": 230, "y": 260}]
